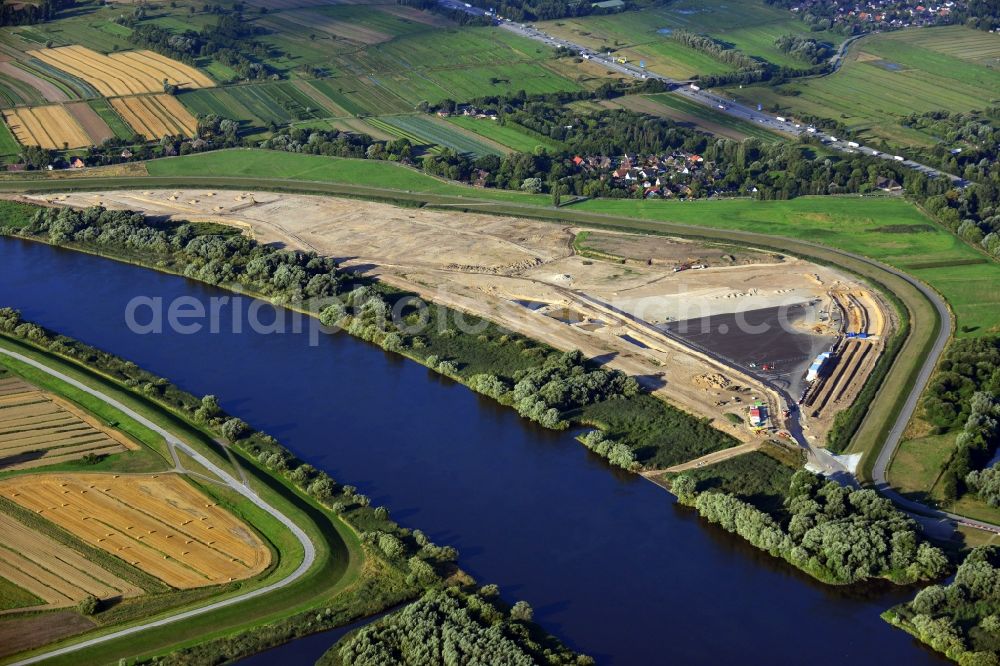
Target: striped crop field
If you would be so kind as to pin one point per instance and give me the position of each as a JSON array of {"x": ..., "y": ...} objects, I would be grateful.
[
  {"x": 56, "y": 575},
  {"x": 361, "y": 96},
  {"x": 124, "y": 73},
  {"x": 51, "y": 127},
  {"x": 428, "y": 131},
  {"x": 156, "y": 116},
  {"x": 158, "y": 523},
  {"x": 38, "y": 429}
]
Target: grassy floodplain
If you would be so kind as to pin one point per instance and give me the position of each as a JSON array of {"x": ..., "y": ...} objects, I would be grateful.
[
  {"x": 890, "y": 75},
  {"x": 506, "y": 134},
  {"x": 748, "y": 25}
]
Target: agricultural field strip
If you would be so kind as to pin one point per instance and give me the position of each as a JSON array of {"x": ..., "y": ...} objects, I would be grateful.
[
  {"x": 181, "y": 116},
  {"x": 308, "y": 548},
  {"x": 182, "y": 547},
  {"x": 32, "y": 422},
  {"x": 51, "y": 571},
  {"x": 73, "y": 85},
  {"x": 45, "y": 89},
  {"x": 46, "y": 126},
  {"x": 426, "y": 131},
  {"x": 121, "y": 105},
  {"x": 163, "y": 67},
  {"x": 107, "y": 78},
  {"x": 155, "y": 116},
  {"x": 126, "y": 73}
]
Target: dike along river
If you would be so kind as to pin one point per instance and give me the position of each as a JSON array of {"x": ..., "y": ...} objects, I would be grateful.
[{"x": 609, "y": 562}]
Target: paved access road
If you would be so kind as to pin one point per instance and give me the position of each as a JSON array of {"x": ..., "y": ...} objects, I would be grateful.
[
  {"x": 707, "y": 98},
  {"x": 174, "y": 444}
]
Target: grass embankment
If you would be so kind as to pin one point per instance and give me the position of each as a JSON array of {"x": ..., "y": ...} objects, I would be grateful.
[{"x": 339, "y": 553}]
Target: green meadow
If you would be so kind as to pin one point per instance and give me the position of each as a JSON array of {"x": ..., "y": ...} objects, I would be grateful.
[{"x": 891, "y": 75}]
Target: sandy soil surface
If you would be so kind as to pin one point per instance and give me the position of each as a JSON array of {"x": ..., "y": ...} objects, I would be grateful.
[{"x": 525, "y": 275}]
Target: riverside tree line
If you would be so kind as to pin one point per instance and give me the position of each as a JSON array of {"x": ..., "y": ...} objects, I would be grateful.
[{"x": 837, "y": 534}]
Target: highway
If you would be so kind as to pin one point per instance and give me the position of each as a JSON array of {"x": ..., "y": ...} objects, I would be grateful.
[
  {"x": 174, "y": 444},
  {"x": 707, "y": 98}
]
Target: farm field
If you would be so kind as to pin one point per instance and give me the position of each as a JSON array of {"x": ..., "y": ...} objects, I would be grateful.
[
  {"x": 50, "y": 127},
  {"x": 71, "y": 86},
  {"x": 683, "y": 110},
  {"x": 123, "y": 73},
  {"x": 54, "y": 573},
  {"x": 114, "y": 122},
  {"x": 749, "y": 25},
  {"x": 426, "y": 130},
  {"x": 12, "y": 596},
  {"x": 90, "y": 121},
  {"x": 158, "y": 523},
  {"x": 155, "y": 116},
  {"x": 259, "y": 105},
  {"x": 469, "y": 83},
  {"x": 361, "y": 23},
  {"x": 888, "y": 76},
  {"x": 21, "y": 86},
  {"x": 358, "y": 96},
  {"x": 9, "y": 146},
  {"x": 504, "y": 134},
  {"x": 39, "y": 429}
]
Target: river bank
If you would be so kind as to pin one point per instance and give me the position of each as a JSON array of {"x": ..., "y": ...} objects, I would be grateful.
[
  {"x": 371, "y": 560},
  {"x": 460, "y": 437}
]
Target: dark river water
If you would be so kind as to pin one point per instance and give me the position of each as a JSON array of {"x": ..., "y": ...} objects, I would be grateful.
[{"x": 610, "y": 563}]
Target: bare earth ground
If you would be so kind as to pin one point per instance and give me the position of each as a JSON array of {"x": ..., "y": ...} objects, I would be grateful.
[
  {"x": 17, "y": 634},
  {"x": 92, "y": 124},
  {"x": 525, "y": 275}
]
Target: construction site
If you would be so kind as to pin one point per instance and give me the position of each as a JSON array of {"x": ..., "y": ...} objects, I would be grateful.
[
  {"x": 620, "y": 298},
  {"x": 836, "y": 375}
]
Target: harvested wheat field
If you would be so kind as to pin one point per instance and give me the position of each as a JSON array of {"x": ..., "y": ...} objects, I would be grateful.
[
  {"x": 53, "y": 572},
  {"x": 158, "y": 523},
  {"x": 50, "y": 127},
  {"x": 125, "y": 73},
  {"x": 39, "y": 429},
  {"x": 156, "y": 116}
]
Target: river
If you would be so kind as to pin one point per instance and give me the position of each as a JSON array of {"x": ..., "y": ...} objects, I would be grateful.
[{"x": 610, "y": 563}]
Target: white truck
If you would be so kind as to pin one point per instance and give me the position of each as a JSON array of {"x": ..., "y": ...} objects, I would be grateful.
[
  {"x": 898, "y": 158},
  {"x": 780, "y": 119},
  {"x": 694, "y": 87}
]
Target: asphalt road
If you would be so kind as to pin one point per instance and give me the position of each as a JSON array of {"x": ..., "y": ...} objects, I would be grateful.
[
  {"x": 707, "y": 98},
  {"x": 175, "y": 444}
]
